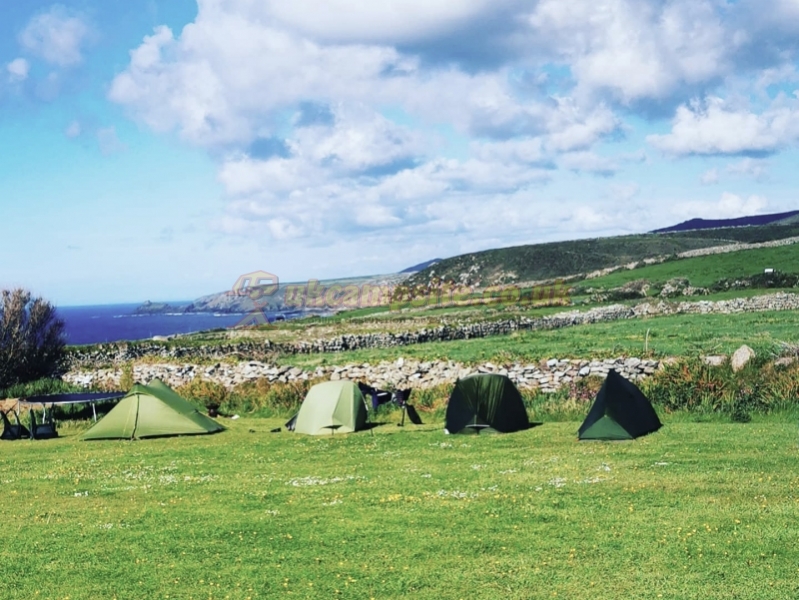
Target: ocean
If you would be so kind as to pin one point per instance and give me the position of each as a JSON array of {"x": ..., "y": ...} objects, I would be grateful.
[{"x": 115, "y": 322}]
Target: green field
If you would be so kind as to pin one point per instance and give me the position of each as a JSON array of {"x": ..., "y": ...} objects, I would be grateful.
[
  {"x": 703, "y": 271},
  {"x": 674, "y": 335},
  {"x": 697, "y": 510}
]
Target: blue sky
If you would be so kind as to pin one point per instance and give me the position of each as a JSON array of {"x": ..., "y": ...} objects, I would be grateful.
[{"x": 157, "y": 150}]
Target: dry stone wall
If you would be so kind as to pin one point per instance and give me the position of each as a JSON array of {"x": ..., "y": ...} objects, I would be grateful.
[{"x": 548, "y": 376}]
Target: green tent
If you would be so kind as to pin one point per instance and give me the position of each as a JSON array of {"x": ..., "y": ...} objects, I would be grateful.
[
  {"x": 332, "y": 407},
  {"x": 620, "y": 412},
  {"x": 152, "y": 410},
  {"x": 485, "y": 402}
]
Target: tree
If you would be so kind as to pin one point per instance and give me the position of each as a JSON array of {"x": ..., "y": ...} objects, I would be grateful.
[{"x": 32, "y": 340}]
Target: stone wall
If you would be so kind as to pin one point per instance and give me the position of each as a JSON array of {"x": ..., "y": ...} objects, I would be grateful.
[{"x": 547, "y": 375}]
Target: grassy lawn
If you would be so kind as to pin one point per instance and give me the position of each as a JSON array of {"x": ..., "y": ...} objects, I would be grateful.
[
  {"x": 697, "y": 510},
  {"x": 675, "y": 335}
]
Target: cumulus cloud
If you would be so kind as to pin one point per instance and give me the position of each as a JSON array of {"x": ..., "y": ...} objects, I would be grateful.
[
  {"x": 18, "y": 69},
  {"x": 715, "y": 127},
  {"x": 636, "y": 50},
  {"x": 378, "y": 21},
  {"x": 357, "y": 116},
  {"x": 56, "y": 36}
]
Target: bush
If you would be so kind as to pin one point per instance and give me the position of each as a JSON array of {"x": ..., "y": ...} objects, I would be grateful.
[
  {"x": 262, "y": 398},
  {"x": 126, "y": 380},
  {"x": 692, "y": 385},
  {"x": 210, "y": 394},
  {"x": 40, "y": 387},
  {"x": 32, "y": 343}
]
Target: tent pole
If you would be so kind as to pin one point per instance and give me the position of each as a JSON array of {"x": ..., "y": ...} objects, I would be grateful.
[{"x": 94, "y": 413}]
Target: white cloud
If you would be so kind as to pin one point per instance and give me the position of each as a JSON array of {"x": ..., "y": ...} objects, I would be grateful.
[
  {"x": 729, "y": 206},
  {"x": 709, "y": 177},
  {"x": 226, "y": 78},
  {"x": 714, "y": 127},
  {"x": 588, "y": 162},
  {"x": 751, "y": 167},
  {"x": 18, "y": 69},
  {"x": 377, "y": 21},
  {"x": 633, "y": 49},
  {"x": 370, "y": 147},
  {"x": 359, "y": 140},
  {"x": 56, "y": 36},
  {"x": 344, "y": 116}
]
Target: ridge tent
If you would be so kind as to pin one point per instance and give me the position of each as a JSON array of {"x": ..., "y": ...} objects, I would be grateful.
[
  {"x": 620, "y": 412},
  {"x": 485, "y": 401},
  {"x": 153, "y": 410},
  {"x": 332, "y": 407}
]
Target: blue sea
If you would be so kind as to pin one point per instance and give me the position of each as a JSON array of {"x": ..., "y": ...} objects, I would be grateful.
[{"x": 115, "y": 322}]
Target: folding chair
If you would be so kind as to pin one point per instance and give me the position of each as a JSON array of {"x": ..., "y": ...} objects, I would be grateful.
[
  {"x": 44, "y": 430},
  {"x": 13, "y": 432},
  {"x": 401, "y": 398}
]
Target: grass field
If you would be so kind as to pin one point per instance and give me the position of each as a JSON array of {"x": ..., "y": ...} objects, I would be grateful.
[
  {"x": 703, "y": 271},
  {"x": 675, "y": 335},
  {"x": 697, "y": 510}
]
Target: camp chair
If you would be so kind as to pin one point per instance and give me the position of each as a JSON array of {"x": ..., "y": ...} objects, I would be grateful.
[
  {"x": 44, "y": 430},
  {"x": 13, "y": 432},
  {"x": 378, "y": 396},
  {"x": 401, "y": 398}
]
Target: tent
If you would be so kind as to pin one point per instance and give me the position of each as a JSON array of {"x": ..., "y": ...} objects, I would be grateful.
[
  {"x": 620, "y": 412},
  {"x": 332, "y": 407},
  {"x": 152, "y": 410},
  {"x": 485, "y": 401}
]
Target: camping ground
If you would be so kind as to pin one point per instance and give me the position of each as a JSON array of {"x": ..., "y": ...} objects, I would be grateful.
[{"x": 696, "y": 510}]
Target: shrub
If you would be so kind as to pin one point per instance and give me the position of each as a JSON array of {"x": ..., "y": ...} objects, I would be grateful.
[
  {"x": 209, "y": 394},
  {"x": 32, "y": 340},
  {"x": 40, "y": 387},
  {"x": 126, "y": 380},
  {"x": 266, "y": 398},
  {"x": 431, "y": 399},
  {"x": 692, "y": 385}
]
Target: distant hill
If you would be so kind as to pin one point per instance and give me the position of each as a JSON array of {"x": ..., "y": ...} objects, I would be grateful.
[
  {"x": 695, "y": 224},
  {"x": 309, "y": 297},
  {"x": 538, "y": 262},
  {"x": 421, "y": 266}
]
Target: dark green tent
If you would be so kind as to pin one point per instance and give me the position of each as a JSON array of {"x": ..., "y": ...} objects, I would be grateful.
[
  {"x": 485, "y": 402},
  {"x": 153, "y": 410},
  {"x": 620, "y": 412}
]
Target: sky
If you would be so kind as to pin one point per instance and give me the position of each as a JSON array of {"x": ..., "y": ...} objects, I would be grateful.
[{"x": 159, "y": 149}]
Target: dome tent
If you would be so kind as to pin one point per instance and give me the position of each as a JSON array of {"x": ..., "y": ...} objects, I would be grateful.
[
  {"x": 331, "y": 407},
  {"x": 486, "y": 402},
  {"x": 153, "y": 410}
]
